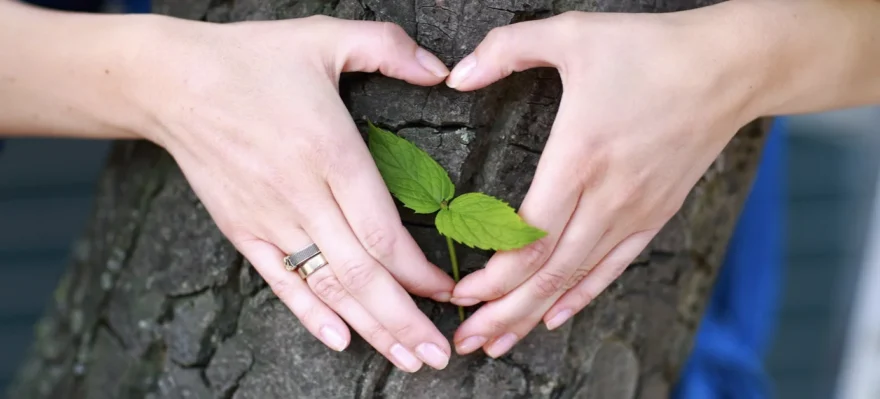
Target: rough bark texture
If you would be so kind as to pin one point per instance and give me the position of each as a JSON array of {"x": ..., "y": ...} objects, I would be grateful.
[{"x": 158, "y": 304}]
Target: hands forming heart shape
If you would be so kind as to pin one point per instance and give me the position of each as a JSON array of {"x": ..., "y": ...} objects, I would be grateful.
[
  {"x": 271, "y": 150},
  {"x": 251, "y": 113}
]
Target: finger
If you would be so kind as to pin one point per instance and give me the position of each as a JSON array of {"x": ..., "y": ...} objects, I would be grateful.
[
  {"x": 503, "y": 322},
  {"x": 498, "y": 325},
  {"x": 600, "y": 277},
  {"x": 370, "y": 211},
  {"x": 333, "y": 295},
  {"x": 583, "y": 243},
  {"x": 549, "y": 205},
  {"x": 369, "y": 46},
  {"x": 325, "y": 284},
  {"x": 508, "y": 49},
  {"x": 322, "y": 322},
  {"x": 373, "y": 286}
]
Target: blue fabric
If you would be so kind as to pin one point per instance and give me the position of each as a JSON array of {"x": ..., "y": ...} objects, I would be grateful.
[{"x": 727, "y": 359}]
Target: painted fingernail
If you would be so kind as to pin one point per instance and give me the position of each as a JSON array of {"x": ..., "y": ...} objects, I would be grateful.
[
  {"x": 465, "y": 301},
  {"x": 501, "y": 345},
  {"x": 432, "y": 355},
  {"x": 333, "y": 338},
  {"x": 442, "y": 297},
  {"x": 470, "y": 344},
  {"x": 462, "y": 71},
  {"x": 431, "y": 63},
  {"x": 405, "y": 358},
  {"x": 558, "y": 319}
]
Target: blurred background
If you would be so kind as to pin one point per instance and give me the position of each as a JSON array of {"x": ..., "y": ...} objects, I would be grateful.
[
  {"x": 825, "y": 341},
  {"x": 812, "y": 231}
]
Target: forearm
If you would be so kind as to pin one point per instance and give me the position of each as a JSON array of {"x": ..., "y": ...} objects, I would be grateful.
[
  {"x": 799, "y": 56},
  {"x": 69, "y": 74}
]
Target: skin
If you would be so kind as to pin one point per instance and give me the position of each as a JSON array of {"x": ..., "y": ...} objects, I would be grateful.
[
  {"x": 244, "y": 103},
  {"x": 640, "y": 121},
  {"x": 251, "y": 113}
]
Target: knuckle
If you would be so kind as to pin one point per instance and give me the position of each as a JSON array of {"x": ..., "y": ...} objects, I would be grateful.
[
  {"x": 578, "y": 276},
  {"x": 618, "y": 266},
  {"x": 583, "y": 298},
  {"x": 496, "y": 325},
  {"x": 282, "y": 288},
  {"x": 320, "y": 150},
  {"x": 497, "y": 36},
  {"x": 497, "y": 290},
  {"x": 669, "y": 212},
  {"x": 591, "y": 173},
  {"x": 534, "y": 254},
  {"x": 357, "y": 274},
  {"x": 392, "y": 32},
  {"x": 403, "y": 332},
  {"x": 626, "y": 195},
  {"x": 309, "y": 317},
  {"x": 376, "y": 333},
  {"x": 379, "y": 242},
  {"x": 327, "y": 287},
  {"x": 548, "y": 283}
]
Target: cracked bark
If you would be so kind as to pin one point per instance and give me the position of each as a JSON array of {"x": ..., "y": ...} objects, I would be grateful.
[{"x": 158, "y": 304}]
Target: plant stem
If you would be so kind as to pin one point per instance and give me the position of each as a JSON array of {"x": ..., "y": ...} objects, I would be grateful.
[{"x": 454, "y": 259}]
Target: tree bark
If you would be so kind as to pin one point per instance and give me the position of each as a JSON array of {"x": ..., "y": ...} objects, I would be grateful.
[{"x": 158, "y": 304}]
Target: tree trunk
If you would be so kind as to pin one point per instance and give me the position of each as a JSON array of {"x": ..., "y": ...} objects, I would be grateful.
[{"x": 157, "y": 303}]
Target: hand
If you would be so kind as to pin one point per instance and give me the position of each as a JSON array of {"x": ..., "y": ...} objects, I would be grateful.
[
  {"x": 647, "y": 107},
  {"x": 250, "y": 111}
]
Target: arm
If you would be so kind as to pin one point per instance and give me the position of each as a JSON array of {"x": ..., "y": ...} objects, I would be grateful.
[
  {"x": 251, "y": 113},
  {"x": 798, "y": 56},
  {"x": 64, "y": 73},
  {"x": 652, "y": 99}
]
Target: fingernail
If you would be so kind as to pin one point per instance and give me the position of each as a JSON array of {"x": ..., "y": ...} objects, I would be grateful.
[
  {"x": 470, "y": 344},
  {"x": 405, "y": 358},
  {"x": 465, "y": 301},
  {"x": 558, "y": 319},
  {"x": 442, "y": 297},
  {"x": 431, "y": 63},
  {"x": 501, "y": 345},
  {"x": 333, "y": 338},
  {"x": 461, "y": 71},
  {"x": 432, "y": 355}
]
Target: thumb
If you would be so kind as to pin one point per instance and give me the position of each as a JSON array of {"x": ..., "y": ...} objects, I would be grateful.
[
  {"x": 385, "y": 47},
  {"x": 508, "y": 49}
]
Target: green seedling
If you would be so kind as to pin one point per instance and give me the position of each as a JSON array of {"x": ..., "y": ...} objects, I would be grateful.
[{"x": 474, "y": 219}]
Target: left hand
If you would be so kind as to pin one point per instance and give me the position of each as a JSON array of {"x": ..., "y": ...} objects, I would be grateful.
[{"x": 648, "y": 105}]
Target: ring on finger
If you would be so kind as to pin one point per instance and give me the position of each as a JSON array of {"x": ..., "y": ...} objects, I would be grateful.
[
  {"x": 311, "y": 265},
  {"x": 305, "y": 261}
]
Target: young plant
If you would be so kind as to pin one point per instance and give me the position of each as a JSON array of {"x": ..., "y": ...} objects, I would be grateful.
[{"x": 421, "y": 184}]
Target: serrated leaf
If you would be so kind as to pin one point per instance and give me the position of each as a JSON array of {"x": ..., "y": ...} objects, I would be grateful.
[
  {"x": 410, "y": 173},
  {"x": 482, "y": 221}
]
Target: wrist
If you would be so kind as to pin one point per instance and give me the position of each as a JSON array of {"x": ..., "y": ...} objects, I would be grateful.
[
  {"x": 142, "y": 42},
  {"x": 733, "y": 60},
  {"x": 784, "y": 57},
  {"x": 67, "y": 74}
]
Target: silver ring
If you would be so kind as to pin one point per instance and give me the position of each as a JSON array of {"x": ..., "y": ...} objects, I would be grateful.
[{"x": 295, "y": 260}]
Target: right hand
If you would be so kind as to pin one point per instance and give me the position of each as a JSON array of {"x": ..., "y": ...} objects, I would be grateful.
[{"x": 251, "y": 113}]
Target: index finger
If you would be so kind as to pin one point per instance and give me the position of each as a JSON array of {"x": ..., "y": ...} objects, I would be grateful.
[
  {"x": 549, "y": 204},
  {"x": 369, "y": 209},
  {"x": 373, "y": 286}
]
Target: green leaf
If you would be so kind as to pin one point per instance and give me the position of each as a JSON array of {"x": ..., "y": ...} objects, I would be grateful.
[
  {"x": 479, "y": 220},
  {"x": 411, "y": 174}
]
